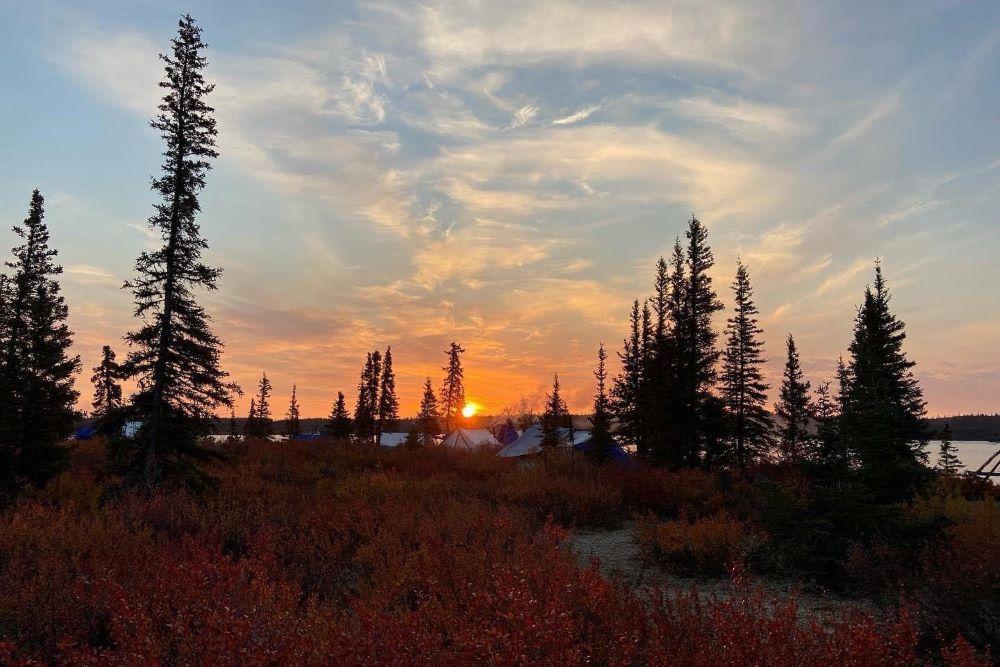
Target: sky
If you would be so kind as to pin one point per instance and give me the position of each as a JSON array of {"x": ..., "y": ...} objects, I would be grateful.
[{"x": 506, "y": 174}]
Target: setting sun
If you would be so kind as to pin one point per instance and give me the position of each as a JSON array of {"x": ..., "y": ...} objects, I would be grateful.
[{"x": 469, "y": 410}]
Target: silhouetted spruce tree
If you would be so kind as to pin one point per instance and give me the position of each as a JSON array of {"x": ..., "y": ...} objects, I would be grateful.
[
  {"x": 174, "y": 354},
  {"x": 374, "y": 386},
  {"x": 339, "y": 426},
  {"x": 626, "y": 393},
  {"x": 453, "y": 389},
  {"x": 293, "y": 422},
  {"x": 388, "y": 404},
  {"x": 250, "y": 425},
  {"x": 107, "y": 388},
  {"x": 364, "y": 408},
  {"x": 697, "y": 354},
  {"x": 263, "y": 422},
  {"x": 948, "y": 462},
  {"x": 429, "y": 418},
  {"x": 830, "y": 451},
  {"x": 555, "y": 417},
  {"x": 233, "y": 431},
  {"x": 601, "y": 440},
  {"x": 658, "y": 388},
  {"x": 413, "y": 437},
  {"x": 36, "y": 371},
  {"x": 883, "y": 421},
  {"x": 794, "y": 408},
  {"x": 743, "y": 387}
]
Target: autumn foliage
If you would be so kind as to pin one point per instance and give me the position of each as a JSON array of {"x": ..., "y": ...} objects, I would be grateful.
[{"x": 312, "y": 553}]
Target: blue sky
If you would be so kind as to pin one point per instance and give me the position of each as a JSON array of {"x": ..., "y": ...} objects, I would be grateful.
[{"x": 505, "y": 174}]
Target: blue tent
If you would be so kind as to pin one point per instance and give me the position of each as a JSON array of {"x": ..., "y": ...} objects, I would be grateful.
[
  {"x": 506, "y": 434},
  {"x": 84, "y": 433},
  {"x": 615, "y": 452}
]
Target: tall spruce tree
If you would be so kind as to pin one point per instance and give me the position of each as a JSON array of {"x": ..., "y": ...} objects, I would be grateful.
[
  {"x": 363, "y": 407},
  {"x": 293, "y": 421},
  {"x": 626, "y": 393},
  {"x": 743, "y": 387},
  {"x": 554, "y": 419},
  {"x": 107, "y": 388},
  {"x": 883, "y": 417},
  {"x": 174, "y": 354},
  {"x": 697, "y": 354},
  {"x": 428, "y": 419},
  {"x": 388, "y": 404},
  {"x": 263, "y": 422},
  {"x": 794, "y": 408},
  {"x": 829, "y": 447},
  {"x": 36, "y": 370},
  {"x": 339, "y": 426},
  {"x": 601, "y": 440},
  {"x": 658, "y": 384},
  {"x": 250, "y": 425},
  {"x": 453, "y": 389}
]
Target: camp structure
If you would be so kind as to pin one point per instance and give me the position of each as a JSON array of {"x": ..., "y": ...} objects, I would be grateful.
[
  {"x": 470, "y": 438},
  {"x": 394, "y": 439},
  {"x": 530, "y": 441},
  {"x": 615, "y": 452}
]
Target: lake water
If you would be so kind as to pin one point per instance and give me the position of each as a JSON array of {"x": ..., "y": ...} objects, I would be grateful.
[{"x": 972, "y": 453}]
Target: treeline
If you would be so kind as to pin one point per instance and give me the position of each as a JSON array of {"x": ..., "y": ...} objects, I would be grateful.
[
  {"x": 686, "y": 400},
  {"x": 968, "y": 427}
]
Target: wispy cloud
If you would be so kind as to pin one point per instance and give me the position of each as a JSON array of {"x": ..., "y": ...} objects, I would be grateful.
[{"x": 577, "y": 116}]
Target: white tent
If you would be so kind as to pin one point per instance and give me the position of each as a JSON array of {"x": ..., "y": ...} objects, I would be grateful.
[
  {"x": 392, "y": 439},
  {"x": 470, "y": 438},
  {"x": 530, "y": 441}
]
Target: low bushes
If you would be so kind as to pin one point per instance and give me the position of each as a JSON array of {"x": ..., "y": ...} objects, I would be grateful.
[
  {"x": 710, "y": 545},
  {"x": 326, "y": 553}
]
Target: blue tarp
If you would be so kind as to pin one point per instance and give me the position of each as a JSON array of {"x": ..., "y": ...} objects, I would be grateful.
[
  {"x": 507, "y": 434},
  {"x": 84, "y": 433},
  {"x": 615, "y": 452}
]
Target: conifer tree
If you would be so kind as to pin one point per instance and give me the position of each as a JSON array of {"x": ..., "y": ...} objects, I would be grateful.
[
  {"x": 883, "y": 419},
  {"x": 829, "y": 448},
  {"x": 626, "y": 394},
  {"x": 744, "y": 388},
  {"x": 107, "y": 389},
  {"x": 428, "y": 419},
  {"x": 948, "y": 462},
  {"x": 555, "y": 417},
  {"x": 658, "y": 386},
  {"x": 413, "y": 437},
  {"x": 263, "y": 423},
  {"x": 250, "y": 425},
  {"x": 293, "y": 424},
  {"x": 233, "y": 432},
  {"x": 601, "y": 440},
  {"x": 794, "y": 408},
  {"x": 174, "y": 354},
  {"x": 374, "y": 384},
  {"x": 36, "y": 370},
  {"x": 339, "y": 425},
  {"x": 364, "y": 407},
  {"x": 453, "y": 389},
  {"x": 388, "y": 404},
  {"x": 695, "y": 338}
]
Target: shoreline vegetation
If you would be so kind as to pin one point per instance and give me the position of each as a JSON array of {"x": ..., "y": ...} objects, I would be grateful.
[{"x": 143, "y": 541}]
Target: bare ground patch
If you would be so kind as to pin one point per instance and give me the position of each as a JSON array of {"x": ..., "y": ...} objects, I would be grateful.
[{"x": 618, "y": 556}]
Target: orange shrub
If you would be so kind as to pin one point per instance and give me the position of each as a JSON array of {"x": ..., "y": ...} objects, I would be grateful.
[
  {"x": 707, "y": 545},
  {"x": 669, "y": 493}
]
